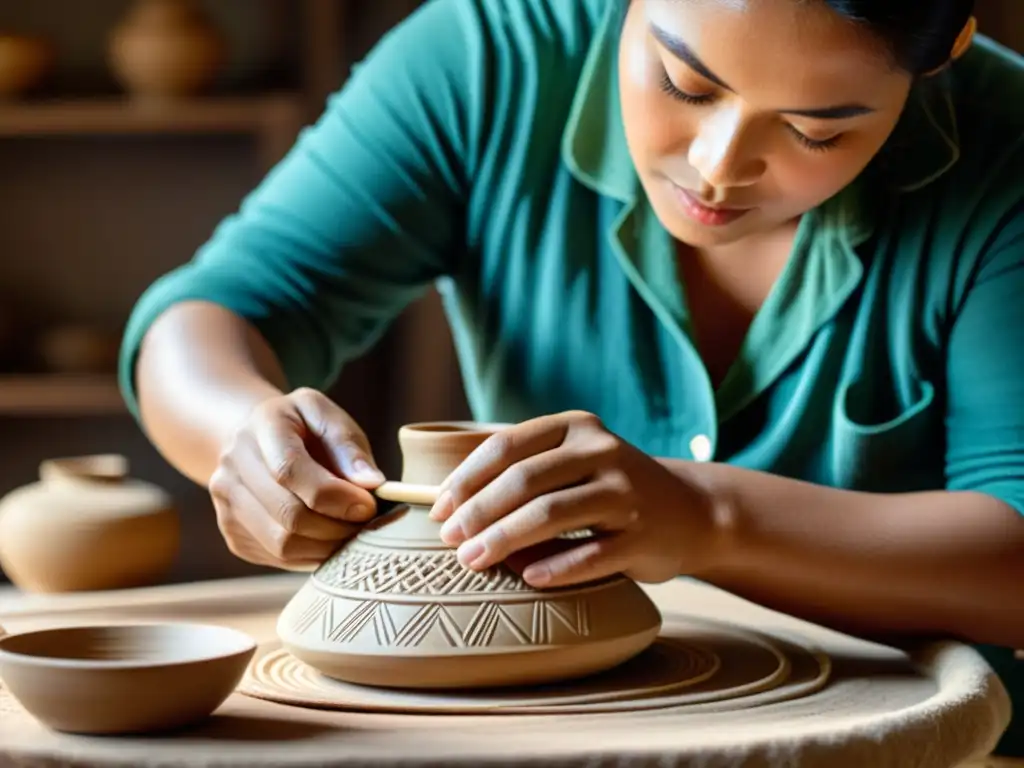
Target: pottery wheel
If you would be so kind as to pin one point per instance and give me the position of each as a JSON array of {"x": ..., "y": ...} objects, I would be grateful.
[
  {"x": 694, "y": 664},
  {"x": 844, "y": 703}
]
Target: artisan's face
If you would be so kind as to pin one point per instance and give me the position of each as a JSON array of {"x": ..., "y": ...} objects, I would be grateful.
[{"x": 766, "y": 106}]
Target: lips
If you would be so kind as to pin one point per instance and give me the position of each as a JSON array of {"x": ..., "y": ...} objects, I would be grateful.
[
  {"x": 709, "y": 215},
  {"x": 720, "y": 208}
]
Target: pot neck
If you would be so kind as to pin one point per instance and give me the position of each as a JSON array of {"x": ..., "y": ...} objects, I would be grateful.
[{"x": 105, "y": 469}]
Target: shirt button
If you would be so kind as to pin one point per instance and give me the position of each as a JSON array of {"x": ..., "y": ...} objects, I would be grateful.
[{"x": 700, "y": 447}]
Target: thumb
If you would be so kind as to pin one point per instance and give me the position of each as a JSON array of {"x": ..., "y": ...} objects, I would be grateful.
[
  {"x": 356, "y": 462},
  {"x": 343, "y": 440}
]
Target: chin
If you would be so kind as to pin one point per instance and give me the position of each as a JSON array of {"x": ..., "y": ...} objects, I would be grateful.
[{"x": 696, "y": 236}]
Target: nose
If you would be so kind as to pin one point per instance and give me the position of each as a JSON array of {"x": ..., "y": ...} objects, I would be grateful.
[{"x": 724, "y": 152}]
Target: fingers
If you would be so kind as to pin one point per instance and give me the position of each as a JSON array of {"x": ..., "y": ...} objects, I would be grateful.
[
  {"x": 346, "y": 445},
  {"x": 290, "y": 512},
  {"x": 294, "y": 483},
  {"x": 530, "y": 484},
  {"x": 515, "y": 487},
  {"x": 543, "y": 519},
  {"x": 595, "y": 559},
  {"x": 496, "y": 454},
  {"x": 290, "y": 465},
  {"x": 255, "y": 536},
  {"x": 515, "y": 444}
]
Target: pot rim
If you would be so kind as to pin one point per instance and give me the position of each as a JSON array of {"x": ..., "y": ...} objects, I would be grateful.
[
  {"x": 233, "y": 643},
  {"x": 472, "y": 428}
]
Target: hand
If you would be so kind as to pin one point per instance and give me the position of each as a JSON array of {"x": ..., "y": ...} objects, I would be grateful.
[
  {"x": 533, "y": 482},
  {"x": 294, "y": 484}
]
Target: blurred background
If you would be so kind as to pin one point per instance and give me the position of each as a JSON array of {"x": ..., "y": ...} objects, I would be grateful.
[{"x": 128, "y": 129}]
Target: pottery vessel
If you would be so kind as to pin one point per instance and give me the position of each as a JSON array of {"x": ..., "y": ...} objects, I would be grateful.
[
  {"x": 394, "y": 607},
  {"x": 86, "y": 525},
  {"x": 8, "y": 335},
  {"x": 166, "y": 50},
  {"x": 121, "y": 679},
  {"x": 79, "y": 349},
  {"x": 24, "y": 61}
]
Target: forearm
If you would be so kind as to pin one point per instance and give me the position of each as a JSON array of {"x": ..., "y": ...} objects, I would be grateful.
[
  {"x": 200, "y": 372},
  {"x": 936, "y": 563}
]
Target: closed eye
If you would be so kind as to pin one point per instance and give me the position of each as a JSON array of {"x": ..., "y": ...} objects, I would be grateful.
[
  {"x": 670, "y": 88},
  {"x": 817, "y": 145},
  {"x": 666, "y": 85}
]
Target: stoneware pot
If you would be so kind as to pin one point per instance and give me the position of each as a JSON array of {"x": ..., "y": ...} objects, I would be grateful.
[
  {"x": 166, "y": 50},
  {"x": 86, "y": 525},
  {"x": 24, "y": 62},
  {"x": 394, "y": 607}
]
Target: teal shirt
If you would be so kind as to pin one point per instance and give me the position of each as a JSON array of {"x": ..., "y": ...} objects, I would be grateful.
[{"x": 889, "y": 356}]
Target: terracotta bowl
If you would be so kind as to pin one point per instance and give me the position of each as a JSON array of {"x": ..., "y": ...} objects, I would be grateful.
[
  {"x": 24, "y": 62},
  {"x": 123, "y": 678}
]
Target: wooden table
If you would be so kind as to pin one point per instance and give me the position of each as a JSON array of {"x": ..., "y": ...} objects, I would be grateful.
[{"x": 887, "y": 708}]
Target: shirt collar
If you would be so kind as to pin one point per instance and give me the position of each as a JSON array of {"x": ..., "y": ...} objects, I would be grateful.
[
  {"x": 594, "y": 141},
  {"x": 924, "y": 146}
]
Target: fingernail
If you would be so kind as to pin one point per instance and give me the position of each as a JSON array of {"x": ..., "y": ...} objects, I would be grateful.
[
  {"x": 537, "y": 575},
  {"x": 470, "y": 552},
  {"x": 358, "y": 513},
  {"x": 452, "y": 533},
  {"x": 441, "y": 509},
  {"x": 363, "y": 467}
]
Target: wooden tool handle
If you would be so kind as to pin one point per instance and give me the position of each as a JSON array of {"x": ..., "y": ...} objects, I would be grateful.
[{"x": 409, "y": 493}]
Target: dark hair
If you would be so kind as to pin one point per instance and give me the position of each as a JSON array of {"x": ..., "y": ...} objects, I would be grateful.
[{"x": 920, "y": 33}]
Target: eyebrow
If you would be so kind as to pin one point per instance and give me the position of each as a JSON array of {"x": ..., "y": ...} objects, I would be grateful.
[{"x": 684, "y": 53}]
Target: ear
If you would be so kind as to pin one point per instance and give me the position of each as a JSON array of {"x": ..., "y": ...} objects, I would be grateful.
[
  {"x": 965, "y": 39},
  {"x": 962, "y": 44}
]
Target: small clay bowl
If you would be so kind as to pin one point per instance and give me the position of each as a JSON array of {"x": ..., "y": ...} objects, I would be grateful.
[{"x": 121, "y": 679}]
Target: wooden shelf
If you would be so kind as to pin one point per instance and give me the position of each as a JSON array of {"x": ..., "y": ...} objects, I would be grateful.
[
  {"x": 273, "y": 119},
  {"x": 59, "y": 395},
  {"x": 236, "y": 114}
]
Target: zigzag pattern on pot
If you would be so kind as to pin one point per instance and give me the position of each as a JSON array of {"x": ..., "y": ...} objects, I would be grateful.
[{"x": 540, "y": 622}]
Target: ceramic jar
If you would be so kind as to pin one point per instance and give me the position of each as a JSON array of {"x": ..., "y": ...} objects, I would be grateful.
[
  {"x": 395, "y": 608},
  {"x": 80, "y": 349},
  {"x": 24, "y": 61},
  {"x": 166, "y": 50},
  {"x": 86, "y": 525}
]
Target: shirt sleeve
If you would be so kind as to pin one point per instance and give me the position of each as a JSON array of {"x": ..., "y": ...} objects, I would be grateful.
[
  {"x": 985, "y": 399},
  {"x": 361, "y": 216}
]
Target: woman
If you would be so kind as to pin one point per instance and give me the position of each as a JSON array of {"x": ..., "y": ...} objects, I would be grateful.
[{"x": 746, "y": 276}]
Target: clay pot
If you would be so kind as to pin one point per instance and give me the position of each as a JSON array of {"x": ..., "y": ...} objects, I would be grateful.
[
  {"x": 395, "y": 608},
  {"x": 24, "y": 61},
  {"x": 79, "y": 349},
  {"x": 85, "y": 525},
  {"x": 166, "y": 50},
  {"x": 8, "y": 335}
]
